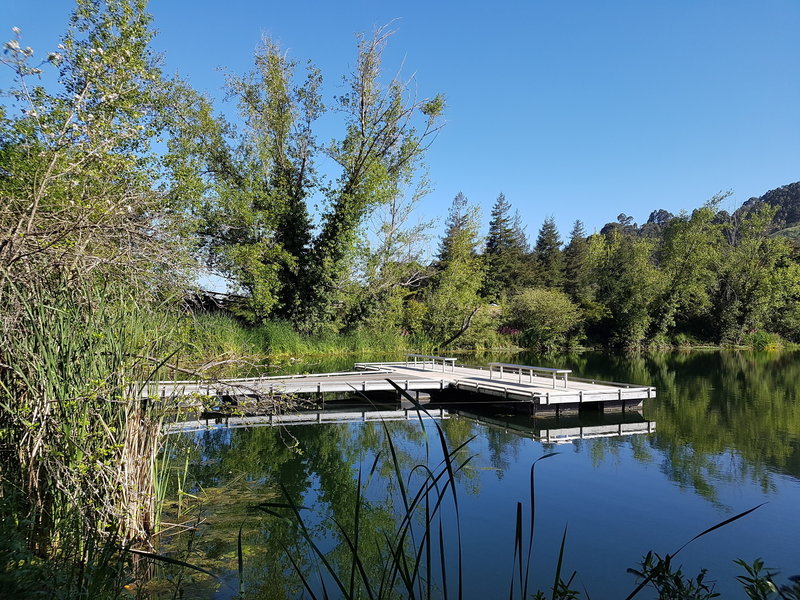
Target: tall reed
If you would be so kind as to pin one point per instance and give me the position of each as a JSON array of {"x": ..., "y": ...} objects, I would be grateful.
[{"x": 79, "y": 441}]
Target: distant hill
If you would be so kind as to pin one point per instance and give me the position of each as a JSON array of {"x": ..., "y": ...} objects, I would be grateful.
[
  {"x": 786, "y": 199},
  {"x": 785, "y": 223}
]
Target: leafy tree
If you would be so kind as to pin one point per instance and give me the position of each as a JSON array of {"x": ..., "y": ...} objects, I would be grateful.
[
  {"x": 627, "y": 283},
  {"x": 548, "y": 256},
  {"x": 686, "y": 256},
  {"x": 756, "y": 276},
  {"x": 256, "y": 185},
  {"x": 391, "y": 268},
  {"x": 253, "y": 186},
  {"x": 504, "y": 252},
  {"x": 377, "y": 156},
  {"x": 546, "y": 317},
  {"x": 78, "y": 170}
]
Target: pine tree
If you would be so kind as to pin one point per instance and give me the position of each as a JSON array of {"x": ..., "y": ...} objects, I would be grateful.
[
  {"x": 453, "y": 298},
  {"x": 457, "y": 226},
  {"x": 548, "y": 256},
  {"x": 505, "y": 250},
  {"x": 576, "y": 267}
]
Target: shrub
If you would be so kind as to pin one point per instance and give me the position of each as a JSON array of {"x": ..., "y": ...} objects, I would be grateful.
[{"x": 546, "y": 317}]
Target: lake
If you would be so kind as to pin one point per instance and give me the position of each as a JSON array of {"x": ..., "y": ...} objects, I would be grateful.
[{"x": 726, "y": 438}]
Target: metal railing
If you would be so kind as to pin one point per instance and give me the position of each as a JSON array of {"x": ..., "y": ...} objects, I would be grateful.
[
  {"x": 434, "y": 361},
  {"x": 520, "y": 369}
]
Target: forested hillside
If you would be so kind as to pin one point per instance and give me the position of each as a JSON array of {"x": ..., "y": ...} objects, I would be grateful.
[{"x": 785, "y": 200}]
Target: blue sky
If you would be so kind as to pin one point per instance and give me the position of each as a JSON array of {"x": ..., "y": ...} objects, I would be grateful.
[{"x": 576, "y": 109}]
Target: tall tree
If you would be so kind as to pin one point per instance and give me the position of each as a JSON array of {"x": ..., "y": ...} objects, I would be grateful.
[
  {"x": 577, "y": 277},
  {"x": 257, "y": 184},
  {"x": 453, "y": 299},
  {"x": 253, "y": 185},
  {"x": 686, "y": 255},
  {"x": 378, "y": 155},
  {"x": 548, "y": 256},
  {"x": 756, "y": 276},
  {"x": 504, "y": 252}
]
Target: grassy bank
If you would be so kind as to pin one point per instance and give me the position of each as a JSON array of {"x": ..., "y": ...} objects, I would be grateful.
[{"x": 215, "y": 338}]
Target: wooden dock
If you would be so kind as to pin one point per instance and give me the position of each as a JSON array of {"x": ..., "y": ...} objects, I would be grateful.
[{"x": 539, "y": 387}]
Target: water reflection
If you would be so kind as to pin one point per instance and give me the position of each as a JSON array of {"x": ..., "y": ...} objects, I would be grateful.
[{"x": 728, "y": 429}]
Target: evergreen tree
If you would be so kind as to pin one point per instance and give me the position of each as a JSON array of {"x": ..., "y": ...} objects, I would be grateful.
[
  {"x": 457, "y": 226},
  {"x": 453, "y": 299},
  {"x": 548, "y": 256},
  {"x": 504, "y": 253},
  {"x": 577, "y": 278}
]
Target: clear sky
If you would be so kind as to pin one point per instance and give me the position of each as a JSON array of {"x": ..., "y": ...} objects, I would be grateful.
[{"x": 576, "y": 109}]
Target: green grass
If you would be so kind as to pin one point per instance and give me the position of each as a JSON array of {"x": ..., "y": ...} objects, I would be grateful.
[{"x": 216, "y": 337}]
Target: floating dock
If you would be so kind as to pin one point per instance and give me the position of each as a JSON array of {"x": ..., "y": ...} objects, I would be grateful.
[{"x": 538, "y": 388}]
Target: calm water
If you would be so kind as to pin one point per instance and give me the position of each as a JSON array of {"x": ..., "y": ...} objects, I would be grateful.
[{"x": 727, "y": 438}]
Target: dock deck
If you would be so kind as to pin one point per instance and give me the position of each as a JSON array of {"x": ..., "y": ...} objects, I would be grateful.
[{"x": 514, "y": 383}]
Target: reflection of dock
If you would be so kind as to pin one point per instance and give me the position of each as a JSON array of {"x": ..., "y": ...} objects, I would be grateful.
[
  {"x": 540, "y": 388},
  {"x": 303, "y": 418},
  {"x": 563, "y": 430}
]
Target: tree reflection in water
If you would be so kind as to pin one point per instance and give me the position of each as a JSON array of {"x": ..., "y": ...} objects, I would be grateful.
[{"x": 723, "y": 418}]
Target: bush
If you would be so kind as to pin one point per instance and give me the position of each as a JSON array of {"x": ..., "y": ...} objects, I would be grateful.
[{"x": 547, "y": 318}]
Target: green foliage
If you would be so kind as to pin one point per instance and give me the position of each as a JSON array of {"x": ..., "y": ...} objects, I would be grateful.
[
  {"x": 757, "y": 582},
  {"x": 452, "y": 300},
  {"x": 628, "y": 282},
  {"x": 546, "y": 317},
  {"x": 504, "y": 253},
  {"x": 686, "y": 256},
  {"x": 255, "y": 186},
  {"x": 79, "y": 174},
  {"x": 756, "y": 277},
  {"x": 391, "y": 265},
  {"x": 548, "y": 256},
  {"x": 252, "y": 187},
  {"x": 377, "y": 156},
  {"x": 90, "y": 264},
  {"x": 670, "y": 583},
  {"x": 577, "y": 277}
]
